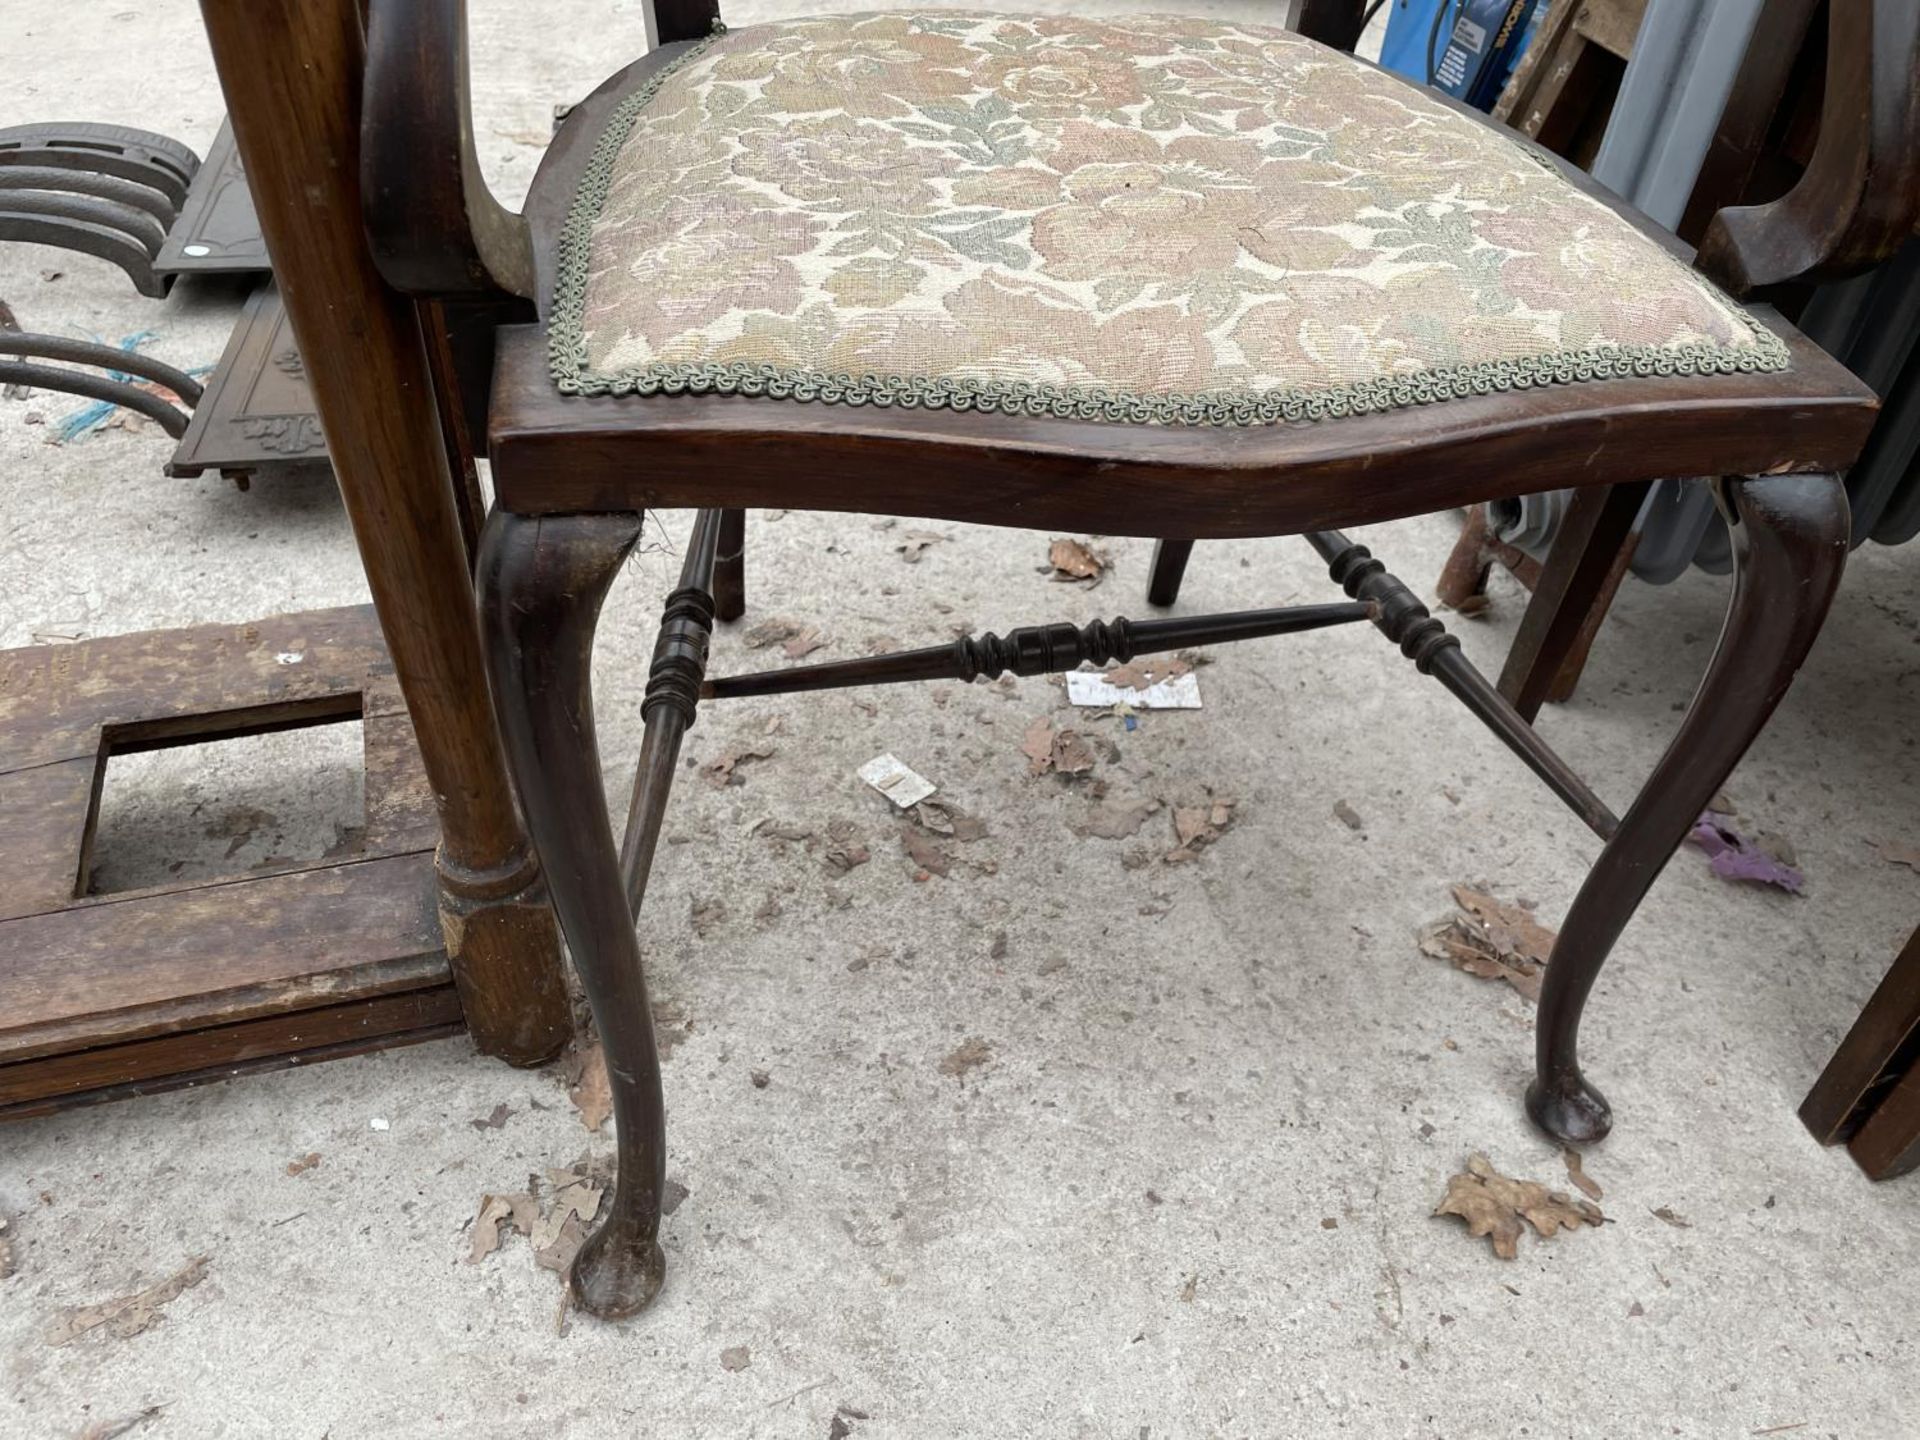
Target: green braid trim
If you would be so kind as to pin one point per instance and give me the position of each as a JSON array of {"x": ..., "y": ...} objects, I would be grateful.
[{"x": 572, "y": 375}]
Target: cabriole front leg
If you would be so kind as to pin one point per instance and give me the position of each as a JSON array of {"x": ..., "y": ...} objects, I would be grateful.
[
  {"x": 1790, "y": 535},
  {"x": 542, "y": 580}
]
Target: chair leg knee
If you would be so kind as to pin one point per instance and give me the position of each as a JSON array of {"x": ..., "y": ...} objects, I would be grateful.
[
  {"x": 542, "y": 580},
  {"x": 1790, "y": 537},
  {"x": 1169, "y": 568}
]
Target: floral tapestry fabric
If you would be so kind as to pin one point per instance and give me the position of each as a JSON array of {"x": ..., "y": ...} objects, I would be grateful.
[{"x": 1156, "y": 219}]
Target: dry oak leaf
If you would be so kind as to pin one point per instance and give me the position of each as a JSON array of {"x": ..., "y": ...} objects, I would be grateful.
[
  {"x": 1197, "y": 826},
  {"x": 129, "y": 1314},
  {"x": 561, "y": 1230},
  {"x": 1492, "y": 940},
  {"x": 305, "y": 1163},
  {"x": 1116, "y": 819},
  {"x": 584, "y": 1068},
  {"x": 1576, "y": 1172},
  {"x": 775, "y": 631},
  {"x": 924, "y": 852},
  {"x": 1072, "y": 755},
  {"x": 1147, "y": 672},
  {"x": 1898, "y": 854},
  {"x": 1494, "y": 1205},
  {"x": 1037, "y": 746},
  {"x": 719, "y": 771},
  {"x": 1074, "y": 560},
  {"x": 844, "y": 850},
  {"x": 915, "y": 542},
  {"x": 969, "y": 1054},
  {"x": 735, "y": 1357}
]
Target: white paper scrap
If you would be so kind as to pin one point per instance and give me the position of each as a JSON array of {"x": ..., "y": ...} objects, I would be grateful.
[
  {"x": 895, "y": 781},
  {"x": 1089, "y": 687}
]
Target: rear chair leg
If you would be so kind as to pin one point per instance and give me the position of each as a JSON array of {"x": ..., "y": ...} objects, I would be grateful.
[
  {"x": 1790, "y": 535},
  {"x": 730, "y": 567},
  {"x": 542, "y": 580},
  {"x": 1169, "y": 568}
]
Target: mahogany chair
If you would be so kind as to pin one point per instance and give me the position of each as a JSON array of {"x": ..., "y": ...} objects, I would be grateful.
[{"x": 1147, "y": 276}]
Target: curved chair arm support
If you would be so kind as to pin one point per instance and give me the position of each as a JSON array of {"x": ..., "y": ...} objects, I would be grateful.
[
  {"x": 1860, "y": 195},
  {"x": 434, "y": 226},
  {"x": 1332, "y": 22},
  {"x": 107, "y": 357},
  {"x": 96, "y": 387}
]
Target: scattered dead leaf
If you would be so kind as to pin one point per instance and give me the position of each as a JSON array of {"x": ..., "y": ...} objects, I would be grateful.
[
  {"x": 1037, "y": 746},
  {"x": 789, "y": 830},
  {"x": 1494, "y": 1205},
  {"x": 721, "y": 770},
  {"x": 1074, "y": 560},
  {"x": 1679, "y": 1222},
  {"x": 761, "y": 1078},
  {"x": 1576, "y": 1172},
  {"x": 562, "y": 1227},
  {"x": 486, "y": 1225},
  {"x": 969, "y": 1054},
  {"x": 492, "y": 1121},
  {"x": 735, "y": 1357},
  {"x": 1072, "y": 755},
  {"x": 1492, "y": 940},
  {"x": 128, "y": 1315},
  {"x": 798, "y": 647},
  {"x": 1196, "y": 826},
  {"x": 1898, "y": 854},
  {"x": 238, "y": 824},
  {"x": 1147, "y": 672},
  {"x": 1189, "y": 1290},
  {"x": 706, "y": 914},
  {"x": 7, "y": 1261},
  {"x": 125, "y": 1425},
  {"x": 844, "y": 850},
  {"x": 943, "y": 817},
  {"x": 915, "y": 543},
  {"x": 997, "y": 950},
  {"x": 774, "y": 631},
  {"x": 1348, "y": 816},
  {"x": 768, "y": 910},
  {"x": 1117, "y": 818},
  {"x": 583, "y": 1065},
  {"x": 925, "y": 851},
  {"x": 671, "y": 1194},
  {"x": 305, "y": 1163}
]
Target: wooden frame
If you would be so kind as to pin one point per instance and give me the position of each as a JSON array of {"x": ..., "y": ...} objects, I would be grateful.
[
  {"x": 170, "y": 985},
  {"x": 573, "y": 477}
]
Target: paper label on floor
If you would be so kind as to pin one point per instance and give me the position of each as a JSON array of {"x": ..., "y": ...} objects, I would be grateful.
[
  {"x": 1088, "y": 687},
  {"x": 895, "y": 781}
]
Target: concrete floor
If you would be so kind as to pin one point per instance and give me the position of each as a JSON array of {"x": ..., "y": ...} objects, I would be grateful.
[{"x": 1189, "y": 1192}]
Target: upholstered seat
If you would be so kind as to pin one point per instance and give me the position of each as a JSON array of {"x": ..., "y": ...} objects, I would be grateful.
[{"x": 1161, "y": 220}]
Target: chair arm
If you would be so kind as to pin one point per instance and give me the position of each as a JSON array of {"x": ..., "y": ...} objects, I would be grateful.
[
  {"x": 1859, "y": 197},
  {"x": 434, "y": 227}
]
